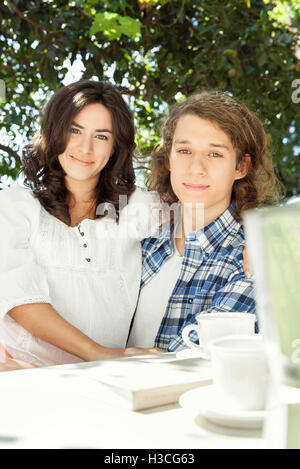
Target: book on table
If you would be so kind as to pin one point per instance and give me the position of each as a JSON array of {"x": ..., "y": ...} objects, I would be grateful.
[
  {"x": 146, "y": 381},
  {"x": 133, "y": 383}
]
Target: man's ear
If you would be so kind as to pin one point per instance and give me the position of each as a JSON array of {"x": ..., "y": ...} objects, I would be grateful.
[{"x": 243, "y": 167}]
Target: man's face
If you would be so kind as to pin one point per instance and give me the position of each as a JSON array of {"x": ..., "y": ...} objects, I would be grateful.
[{"x": 202, "y": 164}]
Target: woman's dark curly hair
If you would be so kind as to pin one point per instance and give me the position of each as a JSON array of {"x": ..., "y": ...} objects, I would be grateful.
[
  {"x": 247, "y": 135},
  {"x": 40, "y": 164}
]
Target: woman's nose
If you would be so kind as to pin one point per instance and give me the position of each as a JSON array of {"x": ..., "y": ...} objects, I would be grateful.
[{"x": 86, "y": 144}]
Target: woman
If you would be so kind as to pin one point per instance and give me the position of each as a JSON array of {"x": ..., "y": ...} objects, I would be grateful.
[
  {"x": 68, "y": 281},
  {"x": 213, "y": 163}
]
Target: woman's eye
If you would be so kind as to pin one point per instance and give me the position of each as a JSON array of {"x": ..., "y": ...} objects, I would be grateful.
[
  {"x": 215, "y": 155},
  {"x": 73, "y": 130},
  {"x": 101, "y": 137},
  {"x": 184, "y": 151}
]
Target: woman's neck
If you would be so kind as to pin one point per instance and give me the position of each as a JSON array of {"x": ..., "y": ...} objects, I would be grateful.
[
  {"x": 82, "y": 200},
  {"x": 81, "y": 192},
  {"x": 80, "y": 213}
]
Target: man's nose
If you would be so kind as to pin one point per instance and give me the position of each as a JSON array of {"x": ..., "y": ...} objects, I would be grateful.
[{"x": 198, "y": 165}]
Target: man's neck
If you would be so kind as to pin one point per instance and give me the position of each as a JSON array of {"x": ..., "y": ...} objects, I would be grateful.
[
  {"x": 196, "y": 217},
  {"x": 194, "y": 220}
]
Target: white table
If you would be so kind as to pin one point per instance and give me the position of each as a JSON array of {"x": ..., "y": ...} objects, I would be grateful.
[{"x": 44, "y": 408}]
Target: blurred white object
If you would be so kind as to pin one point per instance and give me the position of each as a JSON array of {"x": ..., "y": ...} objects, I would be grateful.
[
  {"x": 293, "y": 200},
  {"x": 273, "y": 240}
]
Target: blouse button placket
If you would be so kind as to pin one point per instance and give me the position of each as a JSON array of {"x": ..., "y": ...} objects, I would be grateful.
[{"x": 88, "y": 259}]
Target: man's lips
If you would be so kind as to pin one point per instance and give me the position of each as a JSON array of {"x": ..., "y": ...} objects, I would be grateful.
[
  {"x": 195, "y": 187},
  {"x": 81, "y": 162}
]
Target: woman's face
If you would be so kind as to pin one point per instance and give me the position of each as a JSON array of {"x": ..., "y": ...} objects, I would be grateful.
[{"x": 90, "y": 144}]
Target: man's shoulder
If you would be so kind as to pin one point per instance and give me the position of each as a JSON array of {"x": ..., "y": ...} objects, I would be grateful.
[{"x": 235, "y": 238}]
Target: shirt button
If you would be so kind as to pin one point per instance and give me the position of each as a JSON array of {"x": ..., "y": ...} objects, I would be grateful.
[
  {"x": 190, "y": 300},
  {"x": 82, "y": 234},
  {"x": 88, "y": 259},
  {"x": 85, "y": 245}
]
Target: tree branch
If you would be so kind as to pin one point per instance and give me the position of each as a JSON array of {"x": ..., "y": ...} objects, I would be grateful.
[
  {"x": 25, "y": 17},
  {"x": 124, "y": 90},
  {"x": 11, "y": 152},
  {"x": 36, "y": 25}
]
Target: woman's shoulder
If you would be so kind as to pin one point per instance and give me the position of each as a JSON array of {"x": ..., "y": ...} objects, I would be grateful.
[
  {"x": 16, "y": 192},
  {"x": 143, "y": 196},
  {"x": 18, "y": 196},
  {"x": 144, "y": 212}
]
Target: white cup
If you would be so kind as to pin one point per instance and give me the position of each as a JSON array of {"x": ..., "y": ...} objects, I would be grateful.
[
  {"x": 211, "y": 326},
  {"x": 240, "y": 371}
]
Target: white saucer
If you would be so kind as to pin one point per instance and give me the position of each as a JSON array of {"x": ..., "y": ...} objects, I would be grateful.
[
  {"x": 192, "y": 353},
  {"x": 202, "y": 401}
]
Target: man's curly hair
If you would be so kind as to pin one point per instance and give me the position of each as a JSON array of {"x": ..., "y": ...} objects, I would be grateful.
[{"x": 259, "y": 186}]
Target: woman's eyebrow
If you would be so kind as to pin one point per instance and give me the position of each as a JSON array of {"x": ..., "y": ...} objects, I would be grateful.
[
  {"x": 181, "y": 141},
  {"x": 96, "y": 130}
]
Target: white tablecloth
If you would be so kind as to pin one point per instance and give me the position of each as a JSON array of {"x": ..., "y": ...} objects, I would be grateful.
[{"x": 55, "y": 408}]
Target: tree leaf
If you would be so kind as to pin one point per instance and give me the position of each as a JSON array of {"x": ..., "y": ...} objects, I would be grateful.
[{"x": 113, "y": 25}]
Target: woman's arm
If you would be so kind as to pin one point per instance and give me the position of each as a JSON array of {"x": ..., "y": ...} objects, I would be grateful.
[{"x": 43, "y": 321}]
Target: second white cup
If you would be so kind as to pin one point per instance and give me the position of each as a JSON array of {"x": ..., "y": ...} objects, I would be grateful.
[{"x": 240, "y": 372}]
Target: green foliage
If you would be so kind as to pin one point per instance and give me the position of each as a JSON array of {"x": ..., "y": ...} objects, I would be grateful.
[
  {"x": 113, "y": 26},
  {"x": 285, "y": 10},
  {"x": 157, "y": 51}
]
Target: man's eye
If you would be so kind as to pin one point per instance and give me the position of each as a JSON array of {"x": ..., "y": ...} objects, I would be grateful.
[{"x": 215, "y": 155}]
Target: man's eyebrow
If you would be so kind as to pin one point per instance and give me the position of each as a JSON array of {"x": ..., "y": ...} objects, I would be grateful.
[
  {"x": 214, "y": 145},
  {"x": 96, "y": 130}
]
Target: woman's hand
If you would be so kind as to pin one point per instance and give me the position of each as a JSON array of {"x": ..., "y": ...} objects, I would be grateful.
[
  {"x": 106, "y": 353},
  {"x": 246, "y": 262},
  {"x": 11, "y": 364},
  {"x": 132, "y": 351}
]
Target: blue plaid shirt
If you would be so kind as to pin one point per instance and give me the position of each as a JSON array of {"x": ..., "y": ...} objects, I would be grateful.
[{"x": 211, "y": 279}]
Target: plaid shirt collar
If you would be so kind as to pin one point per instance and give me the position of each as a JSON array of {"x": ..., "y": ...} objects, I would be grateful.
[{"x": 225, "y": 227}]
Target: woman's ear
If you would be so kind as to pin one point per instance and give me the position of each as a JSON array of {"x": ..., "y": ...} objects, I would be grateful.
[{"x": 243, "y": 167}]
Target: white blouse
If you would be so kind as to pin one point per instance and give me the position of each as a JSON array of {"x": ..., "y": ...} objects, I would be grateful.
[{"x": 89, "y": 273}]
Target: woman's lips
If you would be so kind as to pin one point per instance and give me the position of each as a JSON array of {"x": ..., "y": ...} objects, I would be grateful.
[
  {"x": 195, "y": 187},
  {"x": 81, "y": 162}
]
